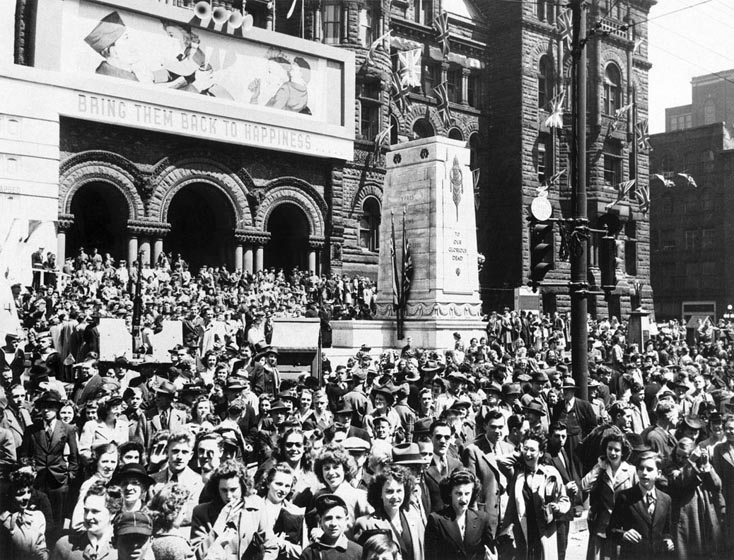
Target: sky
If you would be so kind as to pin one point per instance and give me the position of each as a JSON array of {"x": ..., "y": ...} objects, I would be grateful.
[{"x": 697, "y": 40}]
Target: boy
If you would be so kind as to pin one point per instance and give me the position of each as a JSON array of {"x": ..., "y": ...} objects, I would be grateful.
[
  {"x": 332, "y": 545},
  {"x": 641, "y": 519}
]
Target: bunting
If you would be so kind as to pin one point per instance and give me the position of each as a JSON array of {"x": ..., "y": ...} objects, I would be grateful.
[
  {"x": 370, "y": 59},
  {"x": 643, "y": 197},
  {"x": 444, "y": 110},
  {"x": 638, "y": 44},
  {"x": 689, "y": 181},
  {"x": 410, "y": 67},
  {"x": 400, "y": 93},
  {"x": 441, "y": 25},
  {"x": 555, "y": 119},
  {"x": 554, "y": 178},
  {"x": 475, "y": 181},
  {"x": 667, "y": 183},
  {"x": 564, "y": 25},
  {"x": 642, "y": 136}
]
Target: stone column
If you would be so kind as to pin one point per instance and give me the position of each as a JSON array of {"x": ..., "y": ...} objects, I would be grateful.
[
  {"x": 247, "y": 266},
  {"x": 259, "y": 254},
  {"x": 238, "y": 256},
  {"x": 132, "y": 250},
  {"x": 312, "y": 261},
  {"x": 465, "y": 73},
  {"x": 316, "y": 245},
  {"x": 64, "y": 223},
  {"x": 157, "y": 249},
  {"x": 145, "y": 251}
]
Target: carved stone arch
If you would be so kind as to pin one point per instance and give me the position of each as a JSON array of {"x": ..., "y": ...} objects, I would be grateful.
[
  {"x": 607, "y": 56},
  {"x": 170, "y": 176},
  {"x": 88, "y": 167},
  {"x": 369, "y": 190},
  {"x": 292, "y": 190},
  {"x": 541, "y": 49}
]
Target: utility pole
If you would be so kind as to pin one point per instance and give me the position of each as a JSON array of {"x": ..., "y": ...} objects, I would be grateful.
[{"x": 580, "y": 234}]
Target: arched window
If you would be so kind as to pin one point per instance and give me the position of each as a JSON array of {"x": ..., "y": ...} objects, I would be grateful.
[
  {"x": 709, "y": 111},
  {"x": 422, "y": 128},
  {"x": 612, "y": 89},
  {"x": 545, "y": 82},
  {"x": 369, "y": 225},
  {"x": 455, "y": 134}
]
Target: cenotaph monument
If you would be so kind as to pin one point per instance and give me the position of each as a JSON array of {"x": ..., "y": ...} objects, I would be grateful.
[{"x": 429, "y": 197}]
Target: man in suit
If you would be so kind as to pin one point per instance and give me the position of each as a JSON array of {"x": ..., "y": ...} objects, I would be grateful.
[
  {"x": 162, "y": 417},
  {"x": 442, "y": 464},
  {"x": 577, "y": 414},
  {"x": 641, "y": 522},
  {"x": 659, "y": 436},
  {"x": 265, "y": 376},
  {"x": 45, "y": 443},
  {"x": 481, "y": 459},
  {"x": 557, "y": 457},
  {"x": 179, "y": 450},
  {"x": 17, "y": 417}
]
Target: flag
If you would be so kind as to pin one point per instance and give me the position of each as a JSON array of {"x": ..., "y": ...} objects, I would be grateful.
[
  {"x": 638, "y": 44},
  {"x": 642, "y": 136},
  {"x": 291, "y": 9},
  {"x": 623, "y": 190},
  {"x": 407, "y": 262},
  {"x": 400, "y": 93},
  {"x": 441, "y": 25},
  {"x": 393, "y": 259},
  {"x": 643, "y": 197},
  {"x": 619, "y": 114},
  {"x": 33, "y": 225},
  {"x": 410, "y": 67},
  {"x": 667, "y": 183},
  {"x": 382, "y": 138},
  {"x": 564, "y": 25},
  {"x": 444, "y": 110},
  {"x": 373, "y": 47},
  {"x": 554, "y": 178},
  {"x": 689, "y": 181},
  {"x": 555, "y": 119}
]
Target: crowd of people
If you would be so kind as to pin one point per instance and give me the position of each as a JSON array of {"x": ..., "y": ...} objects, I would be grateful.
[{"x": 482, "y": 450}]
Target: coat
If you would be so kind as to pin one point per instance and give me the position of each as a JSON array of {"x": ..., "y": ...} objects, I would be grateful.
[
  {"x": 432, "y": 479},
  {"x": 479, "y": 460},
  {"x": 73, "y": 547},
  {"x": 415, "y": 526},
  {"x": 603, "y": 489},
  {"x": 150, "y": 423},
  {"x": 695, "y": 495},
  {"x": 723, "y": 462},
  {"x": 630, "y": 512},
  {"x": 23, "y": 539},
  {"x": 52, "y": 468},
  {"x": 443, "y": 539},
  {"x": 547, "y": 488}
]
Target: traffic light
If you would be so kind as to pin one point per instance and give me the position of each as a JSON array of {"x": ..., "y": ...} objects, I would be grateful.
[
  {"x": 609, "y": 261},
  {"x": 541, "y": 250}
]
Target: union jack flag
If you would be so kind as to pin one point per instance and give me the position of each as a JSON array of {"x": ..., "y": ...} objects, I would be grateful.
[
  {"x": 623, "y": 190},
  {"x": 564, "y": 25},
  {"x": 555, "y": 119},
  {"x": 554, "y": 178},
  {"x": 410, "y": 67},
  {"x": 475, "y": 180},
  {"x": 441, "y": 24},
  {"x": 643, "y": 197},
  {"x": 688, "y": 180},
  {"x": 400, "y": 93},
  {"x": 642, "y": 136},
  {"x": 619, "y": 114},
  {"x": 667, "y": 183},
  {"x": 444, "y": 110},
  {"x": 382, "y": 139}
]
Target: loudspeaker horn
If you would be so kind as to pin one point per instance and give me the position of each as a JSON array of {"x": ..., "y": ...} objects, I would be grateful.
[
  {"x": 220, "y": 16},
  {"x": 203, "y": 10},
  {"x": 248, "y": 22},
  {"x": 235, "y": 20}
]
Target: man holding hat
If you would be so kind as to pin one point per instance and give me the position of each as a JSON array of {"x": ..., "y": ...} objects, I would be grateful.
[{"x": 45, "y": 443}]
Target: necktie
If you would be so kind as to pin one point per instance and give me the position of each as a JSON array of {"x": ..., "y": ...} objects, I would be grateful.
[
  {"x": 164, "y": 420},
  {"x": 650, "y": 504},
  {"x": 443, "y": 467},
  {"x": 49, "y": 433}
]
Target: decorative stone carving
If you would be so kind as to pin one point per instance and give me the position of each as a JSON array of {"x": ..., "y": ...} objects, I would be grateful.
[{"x": 148, "y": 228}]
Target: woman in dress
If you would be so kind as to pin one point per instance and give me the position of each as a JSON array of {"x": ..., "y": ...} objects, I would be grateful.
[
  {"x": 22, "y": 526},
  {"x": 603, "y": 482},
  {"x": 459, "y": 527},
  {"x": 106, "y": 458},
  {"x": 110, "y": 426},
  {"x": 389, "y": 494}
]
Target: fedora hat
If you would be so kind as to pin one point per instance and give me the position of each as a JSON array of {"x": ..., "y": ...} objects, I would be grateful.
[
  {"x": 534, "y": 406},
  {"x": 278, "y": 405},
  {"x": 432, "y": 366},
  {"x": 511, "y": 389},
  {"x": 569, "y": 383},
  {"x": 49, "y": 397},
  {"x": 407, "y": 454}
]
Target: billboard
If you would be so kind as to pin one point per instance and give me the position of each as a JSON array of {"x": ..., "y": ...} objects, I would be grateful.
[{"x": 120, "y": 44}]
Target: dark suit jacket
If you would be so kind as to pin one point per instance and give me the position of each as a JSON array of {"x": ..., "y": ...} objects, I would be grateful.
[
  {"x": 205, "y": 514},
  {"x": 433, "y": 481},
  {"x": 52, "y": 468},
  {"x": 567, "y": 469},
  {"x": 584, "y": 413},
  {"x": 443, "y": 539},
  {"x": 630, "y": 512},
  {"x": 150, "y": 423}
]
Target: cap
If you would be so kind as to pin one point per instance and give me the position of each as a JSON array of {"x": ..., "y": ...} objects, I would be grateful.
[
  {"x": 422, "y": 426},
  {"x": 106, "y": 33},
  {"x": 133, "y": 523},
  {"x": 356, "y": 444},
  {"x": 325, "y": 502},
  {"x": 511, "y": 389}
]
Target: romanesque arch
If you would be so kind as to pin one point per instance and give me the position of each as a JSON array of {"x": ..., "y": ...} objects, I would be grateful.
[{"x": 295, "y": 191}]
